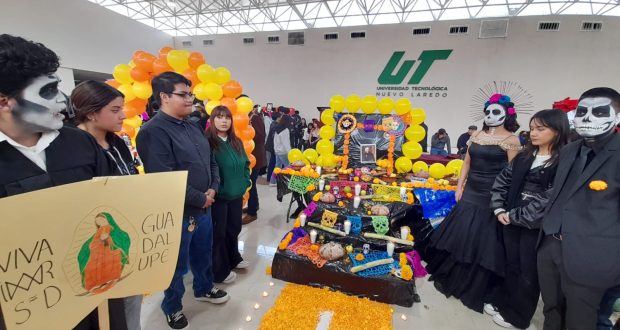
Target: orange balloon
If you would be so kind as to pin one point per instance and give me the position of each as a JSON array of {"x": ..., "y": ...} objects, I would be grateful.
[
  {"x": 144, "y": 61},
  {"x": 135, "y": 107},
  {"x": 248, "y": 146},
  {"x": 195, "y": 60},
  {"x": 252, "y": 160},
  {"x": 138, "y": 74},
  {"x": 232, "y": 89},
  {"x": 240, "y": 121},
  {"x": 160, "y": 66},
  {"x": 247, "y": 133},
  {"x": 191, "y": 75},
  {"x": 130, "y": 131},
  {"x": 113, "y": 83},
  {"x": 163, "y": 53},
  {"x": 230, "y": 103}
]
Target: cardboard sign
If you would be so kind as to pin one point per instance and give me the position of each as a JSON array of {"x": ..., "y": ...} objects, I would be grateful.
[{"x": 66, "y": 249}]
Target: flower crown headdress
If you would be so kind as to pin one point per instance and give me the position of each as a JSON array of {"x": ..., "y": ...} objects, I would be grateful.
[{"x": 498, "y": 92}]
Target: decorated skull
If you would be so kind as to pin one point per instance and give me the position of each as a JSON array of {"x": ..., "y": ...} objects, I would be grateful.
[
  {"x": 595, "y": 116},
  {"x": 494, "y": 115},
  {"x": 40, "y": 105}
]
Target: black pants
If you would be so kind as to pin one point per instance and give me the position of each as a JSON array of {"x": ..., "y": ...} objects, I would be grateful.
[
  {"x": 518, "y": 296},
  {"x": 253, "y": 200},
  {"x": 226, "y": 228},
  {"x": 567, "y": 304}
]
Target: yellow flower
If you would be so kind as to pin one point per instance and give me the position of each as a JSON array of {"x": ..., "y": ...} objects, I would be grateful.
[
  {"x": 598, "y": 185},
  {"x": 410, "y": 237},
  {"x": 268, "y": 270},
  {"x": 341, "y": 204},
  {"x": 356, "y": 179},
  {"x": 375, "y": 181},
  {"x": 310, "y": 187},
  {"x": 407, "y": 273},
  {"x": 314, "y": 247},
  {"x": 297, "y": 223},
  {"x": 317, "y": 196},
  {"x": 277, "y": 170}
]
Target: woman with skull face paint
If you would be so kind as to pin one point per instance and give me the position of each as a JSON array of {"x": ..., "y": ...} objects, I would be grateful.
[
  {"x": 99, "y": 111},
  {"x": 465, "y": 254},
  {"x": 518, "y": 198}
]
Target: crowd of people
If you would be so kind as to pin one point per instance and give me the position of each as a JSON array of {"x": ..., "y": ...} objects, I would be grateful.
[{"x": 519, "y": 229}]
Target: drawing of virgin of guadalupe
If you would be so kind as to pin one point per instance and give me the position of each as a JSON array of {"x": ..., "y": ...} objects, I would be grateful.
[{"x": 104, "y": 255}]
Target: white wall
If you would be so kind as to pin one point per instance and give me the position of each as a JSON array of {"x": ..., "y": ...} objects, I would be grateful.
[
  {"x": 84, "y": 35},
  {"x": 550, "y": 65}
]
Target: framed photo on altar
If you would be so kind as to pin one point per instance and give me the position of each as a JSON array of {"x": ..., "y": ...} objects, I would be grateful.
[{"x": 368, "y": 153}]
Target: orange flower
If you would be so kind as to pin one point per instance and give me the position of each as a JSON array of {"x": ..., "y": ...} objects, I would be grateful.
[
  {"x": 359, "y": 257},
  {"x": 356, "y": 179},
  {"x": 297, "y": 223},
  {"x": 310, "y": 187},
  {"x": 341, "y": 204},
  {"x": 407, "y": 273},
  {"x": 277, "y": 170},
  {"x": 598, "y": 185},
  {"x": 410, "y": 237},
  {"x": 314, "y": 247},
  {"x": 268, "y": 270}
]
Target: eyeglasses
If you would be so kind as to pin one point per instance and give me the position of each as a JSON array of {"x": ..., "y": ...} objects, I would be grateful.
[{"x": 185, "y": 95}]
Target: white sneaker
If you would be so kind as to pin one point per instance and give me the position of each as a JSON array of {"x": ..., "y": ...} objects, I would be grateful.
[
  {"x": 243, "y": 265},
  {"x": 499, "y": 320},
  {"x": 490, "y": 309},
  {"x": 230, "y": 278}
]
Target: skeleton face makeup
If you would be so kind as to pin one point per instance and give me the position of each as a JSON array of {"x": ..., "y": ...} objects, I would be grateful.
[
  {"x": 40, "y": 104},
  {"x": 494, "y": 115},
  {"x": 595, "y": 116}
]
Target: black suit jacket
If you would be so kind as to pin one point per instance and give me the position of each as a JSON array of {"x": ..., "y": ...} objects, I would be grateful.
[{"x": 590, "y": 218}]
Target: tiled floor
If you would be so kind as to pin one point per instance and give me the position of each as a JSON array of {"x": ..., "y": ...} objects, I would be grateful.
[{"x": 258, "y": 241}]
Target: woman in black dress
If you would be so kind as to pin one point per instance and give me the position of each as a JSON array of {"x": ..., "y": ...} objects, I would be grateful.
[
  {"x": 465, "y": 254},
  {"x": 518, "y": 199}
]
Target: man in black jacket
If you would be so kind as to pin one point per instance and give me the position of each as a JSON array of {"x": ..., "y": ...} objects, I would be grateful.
[
  {"x": 169, "y": 142},
  {"x": 580, "y": 245},
  {"x": 36, "y": 151}
]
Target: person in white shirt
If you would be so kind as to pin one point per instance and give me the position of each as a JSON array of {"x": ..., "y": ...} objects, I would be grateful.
[{"x": 282, "y": 141}]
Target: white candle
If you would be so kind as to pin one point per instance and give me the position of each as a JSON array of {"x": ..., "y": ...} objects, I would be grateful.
[
  {"x": 356, "y": 201},
  {"x": 318, "y": 170},
  {"x": 390, "y": 248},
  {"x": 313, "y": 234},
  {"x": 404, "y": 232},
  {"x": 358, "y": 189},
  {"x": 347, "y": 226},
  {"x": 321, "y": 184},
  {"x": 302, "y": 219}
]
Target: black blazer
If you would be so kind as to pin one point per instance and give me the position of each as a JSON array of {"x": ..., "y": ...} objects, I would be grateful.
[{"x": 590, "y": 219}]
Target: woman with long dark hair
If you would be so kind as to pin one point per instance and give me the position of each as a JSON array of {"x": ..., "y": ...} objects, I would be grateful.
[
  {"x": 465, "y": 254},
  {"x": 518, "y": 198},
  {"x": 234, "y": 180},
  {"x": 99, "y": 111}
]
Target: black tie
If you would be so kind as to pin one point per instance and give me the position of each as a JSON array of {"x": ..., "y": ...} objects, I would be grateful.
[{"x": 585, "y": 157}]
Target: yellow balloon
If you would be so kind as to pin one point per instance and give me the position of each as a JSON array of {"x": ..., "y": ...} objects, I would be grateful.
[
  {"x": 311, "y": 155},
  {"x": 415, "y": 133},
  {"x": 134, "y": 122},
  {"x": 329, "y": 160},
  {"x": 369, "y": 104},
  {"x": 437, "y": 171},
  {"x": 403, "y": 164},
  {"x": 353, "y": 103},
  {"x": 417, "y": 116},
  {"x": 200, "y": 91},
  {"x": 213, "y": 91},
  {"x": 244, "y": 105},
  {"x": 122, "y": 74},
  {"x": 337, "y": 103},
  {"x": 319, "y": 161},
  {"x": 127, "y": 91},
  {"x": 327, "y": 117},
  {"x": 178, "y": 60},
  {"x": 454, "y": 166},
  {"x": 325, "y": 147},
  {"x": 412, "y": 150},
  {"x": 419, "y": 166},
  {"x": 210, "y": 105},
  {"x": 222, "y": 75},
  {"x": 295, "y": 155},
  {"x": 386, "y": 105},
  {"x": 205, "y": 73},
  {"x": 402, "y": 106},
  {"x": 142, "y": 90},
  {"x": 327, "y": 132}
]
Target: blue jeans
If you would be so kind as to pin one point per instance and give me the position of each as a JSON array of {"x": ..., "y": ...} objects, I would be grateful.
[
  {"x": 281, "y": 162},
  {"x": 607, "y": 308},
  {"x": 271, "y": 166},
  {"x": 196, "y": 254},
  {"x": 437, "y": 151}
]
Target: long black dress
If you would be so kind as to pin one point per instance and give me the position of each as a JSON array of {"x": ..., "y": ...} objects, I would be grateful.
[{"x": 465, "y": 256}]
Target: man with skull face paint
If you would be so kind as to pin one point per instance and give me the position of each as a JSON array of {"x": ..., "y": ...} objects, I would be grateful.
[
  {"x": 579, "y": 247},
  {"x": 36, "y": 151}
]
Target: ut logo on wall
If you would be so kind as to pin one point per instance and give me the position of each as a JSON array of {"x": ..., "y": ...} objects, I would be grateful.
[{"x": 390, "y": 76}]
